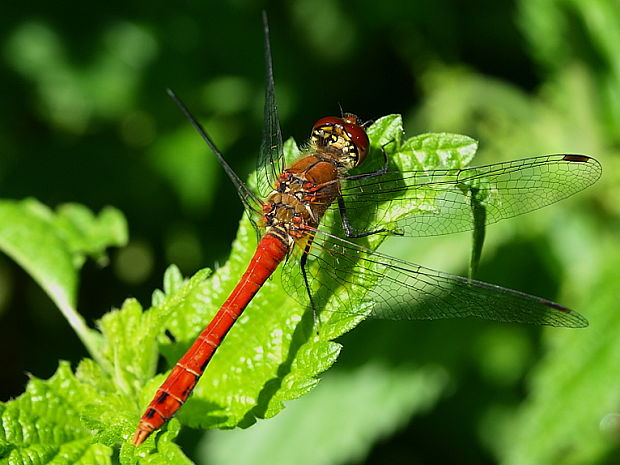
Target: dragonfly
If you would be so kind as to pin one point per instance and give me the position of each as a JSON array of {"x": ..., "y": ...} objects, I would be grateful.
[{"x": 334, "y": 272}]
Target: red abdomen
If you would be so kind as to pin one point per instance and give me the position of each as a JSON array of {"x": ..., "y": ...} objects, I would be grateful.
[{"x": 183, "y": 378}]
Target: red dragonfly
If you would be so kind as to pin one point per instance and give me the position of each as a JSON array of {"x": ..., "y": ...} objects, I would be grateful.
[{"x": 385, "y": 202}]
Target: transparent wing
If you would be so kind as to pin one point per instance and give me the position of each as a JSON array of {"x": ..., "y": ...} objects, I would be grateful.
[
  {"x": 346, "y": 278},
  {"x": 251, "y": 202},
  {"x": 431, "y": 203},
  {"x": 270, "y": 161}
]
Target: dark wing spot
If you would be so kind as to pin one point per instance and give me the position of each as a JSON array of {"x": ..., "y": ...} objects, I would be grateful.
[{"x": 576, "y": 158}]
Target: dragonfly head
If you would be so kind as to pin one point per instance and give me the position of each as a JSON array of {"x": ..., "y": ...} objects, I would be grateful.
[{"x": 344, "y": 138}]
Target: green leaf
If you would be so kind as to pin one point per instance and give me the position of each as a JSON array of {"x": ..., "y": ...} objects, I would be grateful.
[
  {"x": 479, "y": 216},
  {"x": 345, "y": 432},
  {"x": 142, "y": 329},
  {"x": 87, "y": 235},
  {"x": 440, "y": 151},
  {"x": 574, "y": 389},
  {"x": 273, "y": 353},
  {"x": 44, "y": 423},
  {"x": 52, "y": 247},
  {"x": 83, "y": 415},
  {"x": 386, "y": 130},
  {"x": 450, "y": 151}
]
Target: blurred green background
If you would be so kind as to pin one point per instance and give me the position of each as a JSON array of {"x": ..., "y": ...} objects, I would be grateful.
[{"x": 86, "y": 119}]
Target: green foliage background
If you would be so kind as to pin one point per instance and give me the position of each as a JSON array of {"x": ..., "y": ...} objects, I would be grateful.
[{"x": 85, "y": 119}]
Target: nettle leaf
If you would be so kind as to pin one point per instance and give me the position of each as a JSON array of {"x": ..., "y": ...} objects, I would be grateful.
[
  {"x": 44, "y": 423},
  {"x": 87, "y": 235},
  {"x": 274, "y": 352},
  {"x": 82, "y": 415},
  {"x": 52, "y": 247},
  {"x": 389, "y": 396},
  {"x": 424, "y": 151},
  {"x": 441, "y": 151}
]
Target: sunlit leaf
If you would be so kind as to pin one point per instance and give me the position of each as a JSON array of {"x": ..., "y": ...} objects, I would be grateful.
[
  {"x": 82, "y": 415},
  {"x": 273, "y": 353},
  {"x": 52, "y": 247},
  {"x": 331, "y": 417}
]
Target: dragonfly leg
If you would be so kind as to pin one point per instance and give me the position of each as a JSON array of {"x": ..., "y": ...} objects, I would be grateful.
[
  {"x": 304, "y": 273},
  {"x": 379, "y": 172},
  {"x": 349, "y": 231},
  {"x": 346, "y": 225}
]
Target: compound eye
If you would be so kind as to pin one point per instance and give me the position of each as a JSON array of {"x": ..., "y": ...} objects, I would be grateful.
[
  {"x": 358, "y": 136},
  {"x": 327, "y": 121}
]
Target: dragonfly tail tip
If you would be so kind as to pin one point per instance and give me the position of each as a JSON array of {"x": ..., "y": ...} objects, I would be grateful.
[{"x": 140, "y": 436}]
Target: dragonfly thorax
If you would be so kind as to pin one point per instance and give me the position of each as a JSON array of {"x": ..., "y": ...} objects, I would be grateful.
[
  {"x": 286, "y": 217},
  {"x": 300, "y": 198}
]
